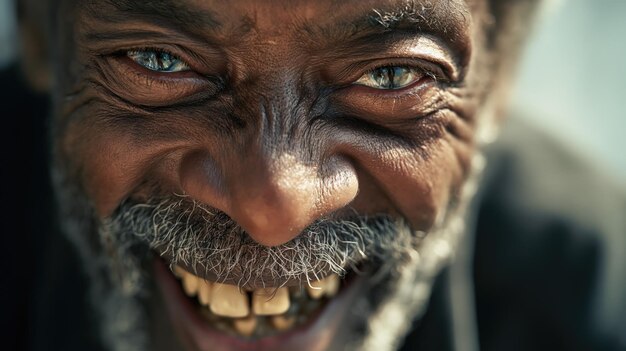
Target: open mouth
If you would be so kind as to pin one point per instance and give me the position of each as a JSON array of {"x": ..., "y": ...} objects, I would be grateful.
[
  {"x": 216, "y": 316},
  {"x": 258, "y": 313}
]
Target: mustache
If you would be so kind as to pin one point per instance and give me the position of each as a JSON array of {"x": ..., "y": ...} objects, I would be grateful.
[{"x": 192, "y": 234}]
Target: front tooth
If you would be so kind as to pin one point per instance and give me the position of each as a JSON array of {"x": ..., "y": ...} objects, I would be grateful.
[
  {"x": 190, "y": 284},
  {"x": 178, "y": 271},
  {"x": 204, "y": 292},
  {"x": 228, "y": 301},
  {"x": 331, "y": 285},
  {"x": 270, "y": 301},
  {"x": 283, "y": 322},
  {"x": 315, "y": 290},
  {"x": 245, "y": 326},
  {"x": 327, "y": 286}
]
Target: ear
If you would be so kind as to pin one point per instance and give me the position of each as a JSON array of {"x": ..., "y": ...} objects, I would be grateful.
[{"x": 34, "y": 55}]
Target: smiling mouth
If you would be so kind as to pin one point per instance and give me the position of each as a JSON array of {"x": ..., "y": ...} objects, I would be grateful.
[
  {"x": 256, "y": 313},
  {"x": 225, "y": 316}
]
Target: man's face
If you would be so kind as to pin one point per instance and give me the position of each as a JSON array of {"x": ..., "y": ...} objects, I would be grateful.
[{"x": 264, "y": 148}]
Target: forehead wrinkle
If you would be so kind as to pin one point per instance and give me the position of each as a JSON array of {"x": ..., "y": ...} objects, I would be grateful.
[{"x": 172, "y": 10}]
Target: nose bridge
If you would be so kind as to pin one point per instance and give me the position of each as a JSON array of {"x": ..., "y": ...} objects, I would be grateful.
[
  {"x": 281, "y": 115},
  {"x": 276, "y": 138}
]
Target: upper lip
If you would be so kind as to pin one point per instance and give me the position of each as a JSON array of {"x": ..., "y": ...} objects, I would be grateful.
[{"x": 260, "y": 281}]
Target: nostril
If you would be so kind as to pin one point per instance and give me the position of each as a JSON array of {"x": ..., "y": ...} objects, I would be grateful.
[
  {"x": 340, "y": 184},
  {"x": 201, "y": 178}
]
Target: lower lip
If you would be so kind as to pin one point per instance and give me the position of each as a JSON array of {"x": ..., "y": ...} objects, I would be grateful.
[{"x": 315, "y": 335}]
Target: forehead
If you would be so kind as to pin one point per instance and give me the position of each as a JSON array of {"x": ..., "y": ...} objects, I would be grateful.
[
  {"x": 279, "y": 11},
  {"x": 324, "y": 19}
]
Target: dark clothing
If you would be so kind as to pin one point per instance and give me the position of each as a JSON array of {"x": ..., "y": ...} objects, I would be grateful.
[
  {"x": 542, "y": 269},
  {"x": 43, "y": 304}
]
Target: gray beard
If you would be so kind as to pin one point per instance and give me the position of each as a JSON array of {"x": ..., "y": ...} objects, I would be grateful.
[{"x": 120, "y": 288}]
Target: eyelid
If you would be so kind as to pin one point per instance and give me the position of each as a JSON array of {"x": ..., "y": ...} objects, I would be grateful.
[
  {"x": 419, "y": 75},
  {"x": 209, "y": 64},
  {"x": 141, "y": 86},
  {"x": 193, "y": 71},
  {"x": 354, "y": 72},
  {"x": 424, "y": 52}
]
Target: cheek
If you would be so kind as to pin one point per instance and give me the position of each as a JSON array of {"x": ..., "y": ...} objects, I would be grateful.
[
  {"x": 97, "y": 161},
  {"x": 419, "y": 183},
  {"x": 108, "y": 164}
]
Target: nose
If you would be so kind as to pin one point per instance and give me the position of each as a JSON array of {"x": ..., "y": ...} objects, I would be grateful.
[{"x": 272, "y": 198}]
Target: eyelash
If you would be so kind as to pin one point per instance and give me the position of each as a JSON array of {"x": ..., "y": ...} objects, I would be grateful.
[
  {"x": 420, "y": 70},
  {"x": 352, "y": 73},
  {"x": 166, "y": 78},
  {"x": 400, "y": 94}
]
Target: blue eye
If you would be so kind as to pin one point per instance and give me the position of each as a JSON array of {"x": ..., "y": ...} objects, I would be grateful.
[
  {"x": 390, "y": 77},
  {"x": 158, "y": 61}
]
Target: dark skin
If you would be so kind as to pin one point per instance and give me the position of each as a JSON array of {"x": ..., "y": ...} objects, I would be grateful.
[
  {"x": 270, "y": 120},
  {"x": 268, "y": 126}
]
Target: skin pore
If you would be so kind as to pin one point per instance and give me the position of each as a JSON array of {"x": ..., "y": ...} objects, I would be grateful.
[{"x": 281, "y": 120}]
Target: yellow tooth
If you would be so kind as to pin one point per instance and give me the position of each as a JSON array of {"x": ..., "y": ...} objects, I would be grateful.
[
  {"x": 316, "y": 290},
  {"x": 270, "y": 301},
  {"x": 327, "y": 286},
  {"x": 204, "y": 292},
  {"x": 228, "y": 301},
  {"x": 283, "y": 322},
  {"x": 331, "y": 285},
  {"x": 190, "y": 284},
  {"x": 178, "y": 271},
  {"x": 245, "y": 326}
]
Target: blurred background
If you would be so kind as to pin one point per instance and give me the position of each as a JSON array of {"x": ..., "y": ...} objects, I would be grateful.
[{"x": 572, "y": 81}]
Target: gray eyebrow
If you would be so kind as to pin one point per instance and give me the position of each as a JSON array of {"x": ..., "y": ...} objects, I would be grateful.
[
  {"x": 409, "y": 13},
  {"x": 445, "y": 19}
]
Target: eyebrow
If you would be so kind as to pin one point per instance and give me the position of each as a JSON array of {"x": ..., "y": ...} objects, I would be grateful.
[
  {"x": 448, "y": 22},
  {"x": 412, "y": 12}
]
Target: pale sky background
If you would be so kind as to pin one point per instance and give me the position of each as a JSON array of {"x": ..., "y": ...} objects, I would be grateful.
[
  {"x": 573, "y": 79},
  {"x": 572, "y": 82}
]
